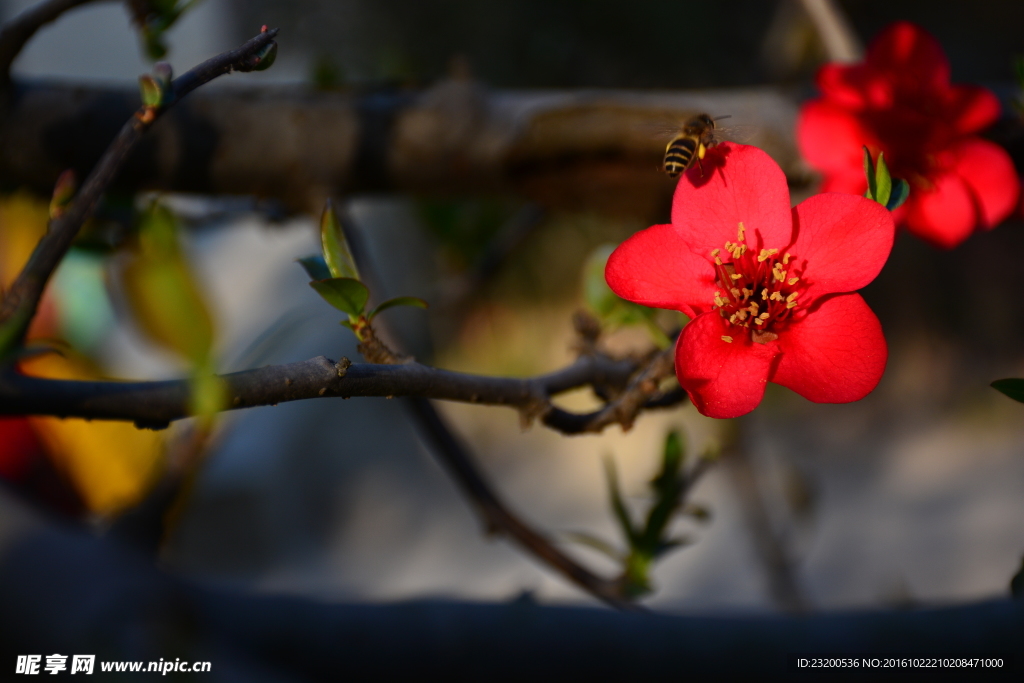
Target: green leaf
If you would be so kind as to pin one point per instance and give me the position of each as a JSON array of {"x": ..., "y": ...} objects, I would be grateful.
[
  {"x": 900, "y": 193},
  {"x": 344, "y": 293},
  {"x": 618, "y": 505},
  {"x": 397, "y": 301},
  {"x": 883, "y": 181},
  {"x": 152, "y": 93},
  {"x": 315, "y": 267},
  {"x": 1013, "y": 388},
  {"x": 610, "y": 309},
  {"x": 336, "y": 250},
  {"x": 266, "y": 57},
  {"x": 869, "y": 172}
]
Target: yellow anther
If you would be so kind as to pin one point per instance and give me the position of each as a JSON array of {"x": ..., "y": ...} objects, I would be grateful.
[
  {"x": 736, "y": 276},
  {"x": 729, "y": 246},
  {"x": 785, "y": 259},
  {"x": 718, "y": 261},
  {"x": 760, "y": 321},
  {"x": 791, "y": 304},
  {"x": 727, "y": 339},
  {"x": 742, "y": 314},
  {"x": 716, "y": 252},
  {"x": 793, "y": 280},
  {"x": 765, "y": 315},
  {"x": 735, "y": 292},
  {"x": 793, "y": 296},
  {"x": 732, "y": 318},
  {"x": 752, "y": 308},
  {"x": 776, "y": 296},
  {"x": 764, "y": 293},
  {"x": 740, "y": 231}
]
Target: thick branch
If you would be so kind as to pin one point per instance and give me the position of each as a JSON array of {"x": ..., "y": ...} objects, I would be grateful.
[
  {"x": 155, "y": 404},
  {"x": 19, "y": 30},
  {"x": 20, "y": 302}
]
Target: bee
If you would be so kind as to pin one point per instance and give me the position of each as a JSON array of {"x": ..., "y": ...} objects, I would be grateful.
[{"x": 689, "y": 144}]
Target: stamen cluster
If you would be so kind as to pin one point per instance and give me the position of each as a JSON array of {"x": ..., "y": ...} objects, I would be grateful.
[{"x": 758, "y": 291}]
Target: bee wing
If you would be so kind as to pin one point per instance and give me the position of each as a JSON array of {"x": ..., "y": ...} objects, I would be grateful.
[{"x": 741, "y": 133}]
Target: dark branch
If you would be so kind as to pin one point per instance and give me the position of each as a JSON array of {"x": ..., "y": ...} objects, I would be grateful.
[
  {"x": 641, "y": 393},
  {"x": 155, "y": 404},
  {"x": 20, "y": 303},
  {"x": 19, "y": 30}
]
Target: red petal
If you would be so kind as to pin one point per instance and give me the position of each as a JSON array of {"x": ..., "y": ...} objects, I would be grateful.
[
  {"x": 741, "y": 185},
  {"x": 723, "y": 379},
  {"x": 850, "y": 182},
  {"x": 831, "y": 139},
  {"x": 655, "y": 267},
  {"x": 988, "y": 171},
  {"x": 944, "y": 215},
  {"x": 912, "y": 56},
  {"x": 844, "y": 240},
  {"x": 972, "y": 108},
  {"x": 842, "y": 84},
  {"x": 836, "y": 354}
]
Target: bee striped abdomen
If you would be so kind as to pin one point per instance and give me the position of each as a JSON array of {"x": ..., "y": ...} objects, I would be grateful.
[{"x": 679, "y": 154}]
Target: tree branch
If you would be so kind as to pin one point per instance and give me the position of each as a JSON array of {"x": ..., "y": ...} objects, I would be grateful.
[
  {"x": 19, "y": 30},
  {"x": 498, "y": 517},
  {"x": 20, "y": 302},
  {"x": 156, "y": 404}
]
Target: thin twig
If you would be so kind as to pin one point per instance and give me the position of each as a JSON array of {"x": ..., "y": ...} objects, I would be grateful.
[
  {"x": 641, "y": 393},
  {"x": 18, "y": 31},
  {"x": 496, "y": 514},
  {"x": 20, "y": 303}
]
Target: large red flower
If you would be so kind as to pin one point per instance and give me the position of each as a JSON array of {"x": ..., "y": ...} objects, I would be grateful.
[
  {"x": 767, "y": 287},
  {"x": 899, "y": 101}
]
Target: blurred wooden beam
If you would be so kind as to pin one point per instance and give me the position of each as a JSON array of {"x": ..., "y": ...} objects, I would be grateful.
[{"x": 598, "y": 149}]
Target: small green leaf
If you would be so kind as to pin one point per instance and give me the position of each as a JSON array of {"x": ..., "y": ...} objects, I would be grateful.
[
  {"x": 618, "y": 505},
  {"x": 336, "y": 250},
  {"x": 1013, "y": 388},
  {"x": 397, "y": 301},
  {"x": 344, "y": 293},
  {"x": 611, "y": 310},
  {"x": 63, "y": 193},
  {"x": 315, "y": 267},
  {"x": 152, "y": 93},
  {"x": 266, "y": 57},
  {"x": 900, "y": 193},
  {"x": 883, "y": 181},
  {"x": 869, "y": 172}
]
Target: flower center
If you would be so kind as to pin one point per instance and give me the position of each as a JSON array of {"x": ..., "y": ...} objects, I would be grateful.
[{"x": 759, "y": 289}]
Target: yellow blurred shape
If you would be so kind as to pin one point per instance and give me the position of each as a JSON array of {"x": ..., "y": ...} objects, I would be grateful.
[
  {"x": 112, "y": 464},
  {"x": 23, "y": 221},
  {"x": 162, "y": 292}
]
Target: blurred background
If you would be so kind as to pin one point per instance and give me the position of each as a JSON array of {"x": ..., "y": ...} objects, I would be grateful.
[{"x": 911, "y": 496}]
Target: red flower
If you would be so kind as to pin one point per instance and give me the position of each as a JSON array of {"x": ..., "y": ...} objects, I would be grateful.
[
  {"x": 766, "y": 286},
  {"x": 900, "y": 101}
]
